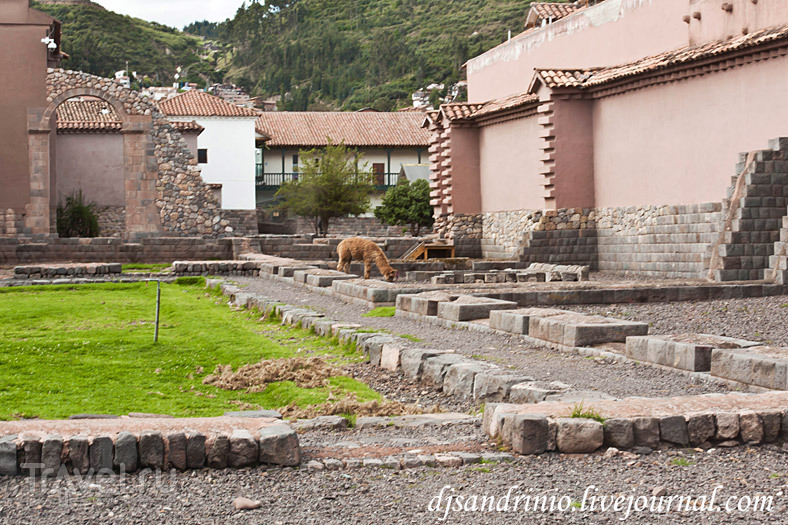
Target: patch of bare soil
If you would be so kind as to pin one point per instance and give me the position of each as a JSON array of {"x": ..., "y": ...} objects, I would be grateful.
[
  {"x": 350, "y": 405},
  {"x": 310, "y": 372}
]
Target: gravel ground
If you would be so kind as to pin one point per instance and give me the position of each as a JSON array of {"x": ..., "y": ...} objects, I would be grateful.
[
  {"x": 617, "y": 379},
  {"x": 367, "y": 495}
]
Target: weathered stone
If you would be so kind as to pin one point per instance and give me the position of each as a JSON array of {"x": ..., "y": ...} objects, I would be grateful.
[
  {"x": 448, "y": 460},
  {"x": 410, "y": 461},
  {"x": 125, "y": 458},
  {"x": 412, "y": 361},
  {"x": 700, "y": 428},
  {"x": 101, "y": 454},
  {"x": 332, "y": 464},
  {"x": 771, "y": 420},
  {"x": 321, "y": 423},
  {"x": 176, "y": 450},
  {"x": 243, "y": 449},
  {"x": 495, "y": 386},
  {"x": 529, "y": 393},
  {"x": 435, "y": 368},
  {"x": 619, "y": 433},
  {"x": 151, "y": 450},
  {"x": 673, "y": 429},
  {"x": 217, "y": 450},
  {"x": 373, "y": 462},
  {"x": 8, "y": 456},
  {"x": 315, "y": 465},
  {"x": 51, "y": 453},
  {"x": 467, "y": 457},
  {"x": 390, "y": 462},
  {"x": 459, "y": 379},
  {"x": 727, "y": 425},
  {"x": 389, "y": 357},
  {"x": 529, "y": 434},
  {"x": 579, "y": 435},
  {"x": 255, "y": 413},
  {"x": 78, "y": 454},
  {"x": 646, "y": 431},
  {"x": 751, "y": 427},
  {"x": 467, "y": 308},
  {"x": 279, "y": 446},
  {"x": 195, "y": 450}
]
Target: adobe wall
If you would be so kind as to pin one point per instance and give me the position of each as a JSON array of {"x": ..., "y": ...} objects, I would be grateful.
[
  {"x": 509, "y": 165},
  {"x": 684, "y": 143},
  {"x": 93, "y": 163}
]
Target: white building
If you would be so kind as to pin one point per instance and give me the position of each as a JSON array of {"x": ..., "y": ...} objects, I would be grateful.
[
  {"x": 226, "y": 147},
  {"x": 387, "y": 141}
]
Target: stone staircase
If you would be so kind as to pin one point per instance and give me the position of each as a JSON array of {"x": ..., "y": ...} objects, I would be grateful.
[
  {"x": 753, "y": 214},
  {"x": 778, "y": 263}
]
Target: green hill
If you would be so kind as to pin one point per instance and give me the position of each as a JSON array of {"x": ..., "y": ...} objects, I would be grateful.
[
  {"x": 101, "y": 42},
  {"x": 356, "y": 53}
]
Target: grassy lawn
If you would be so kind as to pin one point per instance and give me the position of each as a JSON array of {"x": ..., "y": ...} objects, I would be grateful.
[
  {"x": 145, "y": 267},
  {"x": 89, "y": 349}
]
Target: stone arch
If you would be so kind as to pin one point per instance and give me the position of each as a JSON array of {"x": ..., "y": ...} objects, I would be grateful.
[{"x": 165, "y": 193}]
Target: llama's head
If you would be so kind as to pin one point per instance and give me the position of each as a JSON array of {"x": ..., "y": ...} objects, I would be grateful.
[{"x": 391, "y": 274}]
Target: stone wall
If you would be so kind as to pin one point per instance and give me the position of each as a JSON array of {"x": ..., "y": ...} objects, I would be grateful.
[
  {"x": 112, "y": 221},
  {"x": 364, "y": 226},
  {"x": 15, "y": 251},
  {"x": 11, "y": 223},
  {"x": 241, "y": 222}
]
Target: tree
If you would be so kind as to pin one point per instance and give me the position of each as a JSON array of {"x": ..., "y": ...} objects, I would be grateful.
[
  {"x": 330, "y": 184},
  {"x": 407, "y": 204}
]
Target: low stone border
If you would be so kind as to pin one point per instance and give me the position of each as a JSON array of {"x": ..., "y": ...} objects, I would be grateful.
[
  {"x": 39, "y": 453},
  {"x": 413, "y": 459},
  {"x": 127, "y": 279},
  {"x": 63, "y": 271},
  {"x": 700, "y": 421},
  {"x": 690, "y": 352}
]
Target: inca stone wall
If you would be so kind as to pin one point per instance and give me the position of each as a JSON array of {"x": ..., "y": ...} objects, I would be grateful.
[
  {"x": 163, "y": 182},
  {"x": 112, "y": 221}
]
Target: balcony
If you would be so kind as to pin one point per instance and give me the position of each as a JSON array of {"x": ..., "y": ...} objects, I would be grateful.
[{"x": 272, "y": 181}]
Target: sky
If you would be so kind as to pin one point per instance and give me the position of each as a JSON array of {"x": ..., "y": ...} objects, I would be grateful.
[{"x": 174, "y": 13}]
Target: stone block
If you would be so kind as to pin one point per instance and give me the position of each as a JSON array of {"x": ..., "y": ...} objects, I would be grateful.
[
  {"x": 176, "y": 450},
  {"x": 758, "y": 365},
  {"x": 125, "y": 458},
  {"x": 646, "y": 431},
  {"x": 51, "y": 453},
  {"x": 683, "y": 351},
  {"x": 412, "y": 361},
  {"x": 279, "y": 446},
  {"x": 529, "y": 434},
  {"x": 579, "y": 435},
  {"x": 518, "y": 321},
  {"x": 78, "y": 454},
  {"x": 751, "y": 427},
  {"x": 101, "y": 454},
  {"x": 771, "y": 420},
  {"x": 673, "y": 429},
  {"x": 435, "y": 368},
  {"x": 460, "y": 377},
  {"x": 389, "y": 357},
  {"x": 495, "y": 386},
  {"x": 151, "y": 450},
  {"x": 217, "y": 450},
  {"x": 425, "y": 303},
  {"x": 727, "y": 426},
  {"x": 573, "y": 329},
  {"x": 243, "y": 449},
  {"x": 8, "y": 456},
  {"x": 619, "y": 433},
  {"x": 468, "y": 308},
  {"x": 195, "y": 450},
  {"x": 700, "y": 428},
  {"x": 373, "y": 347},
  {"x": 323, "y": 423}
]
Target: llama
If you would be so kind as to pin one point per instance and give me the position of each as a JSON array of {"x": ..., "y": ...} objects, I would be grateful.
[{"x": 358, "y": 249}]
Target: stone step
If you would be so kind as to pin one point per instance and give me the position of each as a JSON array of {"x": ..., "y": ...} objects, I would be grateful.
[
  {"x": 738, "y": 275},
  {"x": 691, "y": 352},
  {"x": 748, "y": 262}
]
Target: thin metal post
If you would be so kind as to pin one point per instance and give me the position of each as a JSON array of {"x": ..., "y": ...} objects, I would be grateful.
[{"x": 158, "y": 307}]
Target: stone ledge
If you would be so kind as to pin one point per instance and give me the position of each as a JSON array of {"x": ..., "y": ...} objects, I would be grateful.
[{"x": 692, "y": 352}]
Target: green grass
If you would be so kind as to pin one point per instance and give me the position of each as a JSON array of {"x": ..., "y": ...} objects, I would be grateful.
[
  {"x": 681, "y": 462},
  {"x": 579, "y": 411},
  {"x": 89, "y": 349},
  {"x": 381, "y": 311},
  {"x": 411, "y": 338},
  {"x": 155, "y": 267}
]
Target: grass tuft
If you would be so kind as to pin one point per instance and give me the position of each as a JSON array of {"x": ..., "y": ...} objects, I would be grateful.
[
  {"x": 579, "y": 411},
  {"x": 381, "y": 311}
]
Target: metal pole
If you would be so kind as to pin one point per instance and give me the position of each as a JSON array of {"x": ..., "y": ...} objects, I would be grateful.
[{"x": 158, "y": 307}]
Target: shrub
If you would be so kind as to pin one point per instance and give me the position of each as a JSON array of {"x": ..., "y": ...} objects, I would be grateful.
[{"x": 77, "y": 218}]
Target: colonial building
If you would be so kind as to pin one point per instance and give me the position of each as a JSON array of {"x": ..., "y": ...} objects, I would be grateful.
[
  {"x": 387, "y": 141},
  {"x": 609, "y": 135}
]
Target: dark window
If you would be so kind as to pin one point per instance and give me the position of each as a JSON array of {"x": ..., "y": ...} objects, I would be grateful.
[
  {"x": 379, "y": 169},
  {"x": 202, "y": 156}
]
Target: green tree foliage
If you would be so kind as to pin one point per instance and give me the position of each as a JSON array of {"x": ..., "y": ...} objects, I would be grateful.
[
  {"x": 330, "y": 184},
  {"x": 360, "y": 53},
  {"x": 101, "y": 42},
  {"x": 407, "y": 204},
  {"x": 77, "y": 218}
]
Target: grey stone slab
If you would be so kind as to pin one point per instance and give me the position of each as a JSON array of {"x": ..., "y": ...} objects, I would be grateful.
[
  {"x": 518, "y": 321},
  {"x": 195, "y": 450},
  {"x": 125, "y": 457},
  {"x": 575, "y": 330},
  {"x": 243, "y": 449},
  {"x": 459, "y": 379},
  {"x": 529, "y": 434},
  {"x": 412, "y": 361},
  {"x": 101, "y": 453},
  {"x": 8, "y": 456},
  {"x": 619, "y": 433},
  {"x": 177, "y": 444},
  {"x": 579, "y": 435},
  {"x": 78, "y": 454},
  {"x": 759, "y": 365},
  {"x": 217, "y": 450},
  {"x": 436, "y": 368},
  {"x": 255, "y": 413},
  {"x": 646, "y": 431},
  {"x": 468, "y": 308},
  {"x": 495, "y": 386},
  {"x": 321, "y": 423},
  {"x": 673, "y": 429},
  {"x": 700, "y": 428},
  {"x": 51, "y": 452},
  {"x": 151, "y": 450},
  {"x": 279, "y": 446},
  {"x": 683, "y": 351}
]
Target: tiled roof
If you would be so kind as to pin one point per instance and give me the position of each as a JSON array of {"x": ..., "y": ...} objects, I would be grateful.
[
  {"x": 309, "y": 129},
  {"x": 503, "y": 104},
  {"x": 459, "y": 110},
  {"x": 196, "y": 103},
  {"x": 87, "y": 115},
  {"x": 594, "y": 77},
  {"x": 187, "y": 127},
  {"x": 545, "y": 10}
]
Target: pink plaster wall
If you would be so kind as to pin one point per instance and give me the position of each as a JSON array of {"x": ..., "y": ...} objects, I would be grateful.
[
  {"x": 509, "y": 166},
  {"x": 678, "y": 143},
  {"x": 574, "y": 153},
  {"x": 466, "y": 197},
  {"x": 717, "y": 24},
  {"x": 610, "y": 33},
  {"x": 92, "y": 162}
]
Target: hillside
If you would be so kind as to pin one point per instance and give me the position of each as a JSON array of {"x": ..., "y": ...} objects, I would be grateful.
[
  {"x": 354, "y": 53},
  {"x": 101, "y": 42}
]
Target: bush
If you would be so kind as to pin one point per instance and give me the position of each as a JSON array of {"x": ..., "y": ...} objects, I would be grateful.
[
  {"x": 77, "y": 218},
  {"x": 407, "y": 204}
]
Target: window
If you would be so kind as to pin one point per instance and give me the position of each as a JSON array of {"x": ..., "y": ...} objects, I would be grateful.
[
  {"x": 295, "y": 163},
  {"x": 202, "y": 156},
  {"x": 379, "y": 170}
]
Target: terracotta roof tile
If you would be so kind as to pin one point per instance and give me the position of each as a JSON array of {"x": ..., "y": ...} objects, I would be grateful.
[
  {"x": 503, "y": 104},
  {"x": 548, "y": 10},
  {"x": 597, "y": 76},
  {"x": 186, "y": 127},
  {"x": 87, "y": 115},
  {"x": 310, "y": 129},
  {"x": 459, "y": 110},
  {"x": 196, "y": 103}
]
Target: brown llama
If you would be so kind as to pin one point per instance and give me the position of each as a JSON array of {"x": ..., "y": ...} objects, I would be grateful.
[{"x": 358, "y": 249}]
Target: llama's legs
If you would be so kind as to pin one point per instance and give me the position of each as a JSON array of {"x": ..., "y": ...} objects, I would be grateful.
[{"x": 367, "y": 268}]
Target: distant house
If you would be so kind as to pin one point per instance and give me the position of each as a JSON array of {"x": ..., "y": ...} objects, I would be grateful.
[
  {"x": 414, "y": 172},
  {"x": 225, "y": 149},
  {"x": 387, "y": 140}
]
